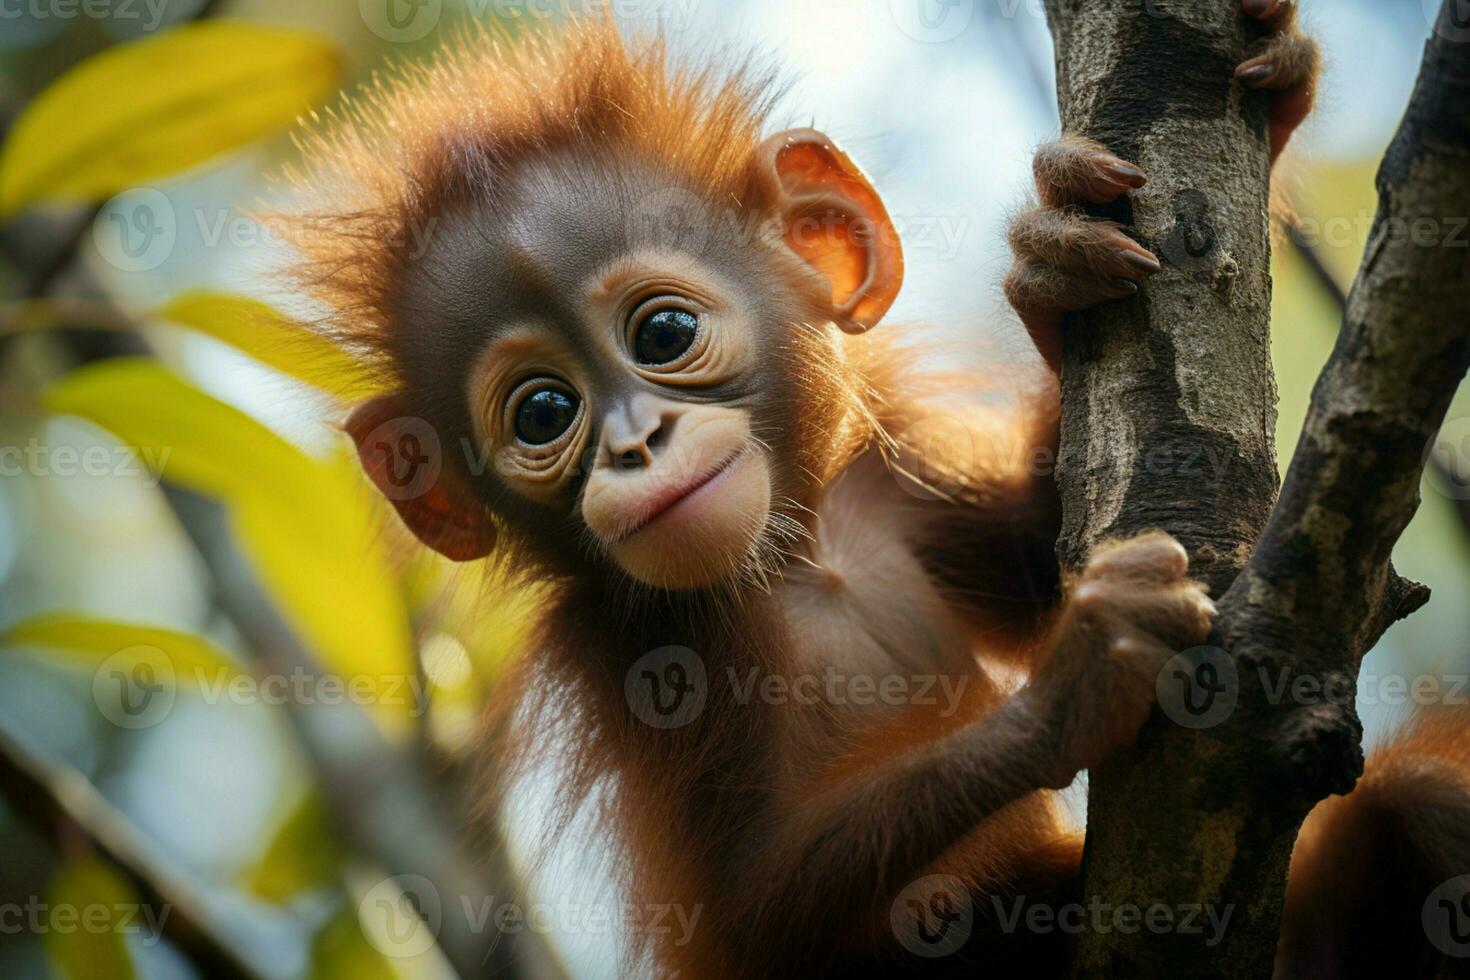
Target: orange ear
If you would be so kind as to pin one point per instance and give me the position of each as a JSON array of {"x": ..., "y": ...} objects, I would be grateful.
[
  {"x": 835, "y": 221},
  {"x": 404, "y": 457}
]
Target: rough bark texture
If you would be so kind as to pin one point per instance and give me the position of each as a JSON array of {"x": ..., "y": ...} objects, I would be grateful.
[
  {"x": 1168, "y": 417},
  {"x": 1168, "y": 413}
]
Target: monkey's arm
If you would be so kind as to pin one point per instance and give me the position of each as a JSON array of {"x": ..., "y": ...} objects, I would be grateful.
[
  {"x": 897, "y": 804},
  {"x": 984, "y": 485}
]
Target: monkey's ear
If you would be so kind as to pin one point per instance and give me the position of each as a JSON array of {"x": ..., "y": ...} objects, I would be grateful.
[
  {"x": 836, "y": 222},
  {"x": 403, "y": 456}
]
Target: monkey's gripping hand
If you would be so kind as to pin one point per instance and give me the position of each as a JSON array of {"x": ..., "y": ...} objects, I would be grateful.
[
  {"x": 1067, "y": 261},
  {"x": 1131, "y": 610}
]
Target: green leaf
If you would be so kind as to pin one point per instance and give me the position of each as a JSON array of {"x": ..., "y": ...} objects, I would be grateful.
[
  {"x": 302, "y": 854},
  {"x": 309, "y": 526},
  {"x": 195, "y": 663},
  {"x": 150, "y": 108},
  {"x": 272, "y": 338},
  {"x": 90, "y": 906}
]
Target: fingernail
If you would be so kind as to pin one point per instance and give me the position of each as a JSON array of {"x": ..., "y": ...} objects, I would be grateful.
[
  {"x": 1127, "y": 285},
  {"x": 1256, "y": 73},
  {"x": 1126, "y": 172},
  {"x": 1139, "y": 260}
]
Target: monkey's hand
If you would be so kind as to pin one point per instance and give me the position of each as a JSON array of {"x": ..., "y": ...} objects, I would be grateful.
[
  {"x": 1067, "y": 261},
  {"x": 1131, "y": 610},
  {"x": 1286, "y": 66}
]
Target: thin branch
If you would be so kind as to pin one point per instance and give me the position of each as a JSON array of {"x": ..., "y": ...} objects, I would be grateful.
[
  {"x": 1316, "y": 266},
  {"x": 1319, "y": 589},
  {"x": 1335, "y": 292}
]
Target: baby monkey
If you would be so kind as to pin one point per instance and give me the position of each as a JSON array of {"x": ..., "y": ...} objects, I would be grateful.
[{"x": 648, "y": 323}]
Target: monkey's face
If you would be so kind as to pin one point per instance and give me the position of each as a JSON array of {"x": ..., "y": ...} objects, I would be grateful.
[
  {"x": 643, "y": 417},
  {"x": 647, "y": 377}
]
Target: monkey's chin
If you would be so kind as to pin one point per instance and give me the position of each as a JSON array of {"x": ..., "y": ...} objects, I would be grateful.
[{"x": 706, "y": 536}]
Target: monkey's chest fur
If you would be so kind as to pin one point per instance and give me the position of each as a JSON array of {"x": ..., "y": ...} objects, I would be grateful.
[{"x": 866, "y": 608}]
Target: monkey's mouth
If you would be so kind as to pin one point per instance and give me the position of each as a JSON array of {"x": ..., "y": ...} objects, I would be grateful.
[{"x": 670, "y": 499}]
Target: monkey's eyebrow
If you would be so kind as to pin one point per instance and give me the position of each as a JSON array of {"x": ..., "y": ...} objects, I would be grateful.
[
  {"x": 612, "y": 279},
  {"x": 493, "y": 362},
  {"x": 516, "y": 344}
]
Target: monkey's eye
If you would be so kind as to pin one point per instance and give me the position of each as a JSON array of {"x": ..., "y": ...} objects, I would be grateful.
[
  {"x": 664, "y": 335},
  {"x": 544, "y": 415}
]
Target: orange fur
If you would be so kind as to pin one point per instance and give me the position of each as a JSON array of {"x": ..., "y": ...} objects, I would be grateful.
[{"x": 380, "y": 168}]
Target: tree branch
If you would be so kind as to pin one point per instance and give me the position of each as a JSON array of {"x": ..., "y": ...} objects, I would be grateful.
[
  {"x": 1207, "y": 817},
  {"x": 55, "y": 798},
  {"x": 1320, "y": 590},
  {"x": 1168, "y": 415}
]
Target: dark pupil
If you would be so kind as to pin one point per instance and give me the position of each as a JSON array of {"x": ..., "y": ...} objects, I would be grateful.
[
  {"x": 664, "y": 335},
  {"x": 544, "y": 415}
]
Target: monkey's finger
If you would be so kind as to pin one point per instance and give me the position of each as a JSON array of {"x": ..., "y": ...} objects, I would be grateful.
[
  {"x": 1175, "y": 616},
  {"x": 1074, "y": 243},
  {"x": 1288, "y": 69},
  {"x": 1077, "y": 170},
  {"x": 1040, "y": 293},
  {"x": 1278, "y": 14},
  {"x": 1153, "y": 556},
  {"x": 1289, "y": 60}
]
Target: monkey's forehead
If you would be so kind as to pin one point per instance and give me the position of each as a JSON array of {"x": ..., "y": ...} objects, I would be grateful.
[{"x": 540, "y": 239}]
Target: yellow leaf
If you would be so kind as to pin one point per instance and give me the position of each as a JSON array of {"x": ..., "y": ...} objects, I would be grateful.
[
  {"x": 308, "y": 525},
  {"x": 340, "y": 951},
  {"x": 150, "y": 108},
  {"x": 301, "y": 854},
  {"x": 90, "y": 907},
  {"x": 272, "y": 338},
  {"x": 187, "y": 661}
]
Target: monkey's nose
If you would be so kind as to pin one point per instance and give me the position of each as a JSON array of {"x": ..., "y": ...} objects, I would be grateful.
[
  {"x": 633, "y": 438},
  {"x": 632, "y": 459}
]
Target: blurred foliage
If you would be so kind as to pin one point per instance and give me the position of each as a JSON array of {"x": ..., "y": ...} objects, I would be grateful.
[
  {"x": 89, "y": 643},
  {"x": 272, "y": 338},
  {"x": 302, "y": 855},
  {"x": 148, "y": 109},
  {"x": 96, "y": 948},
  {"x": 316, "y": 538},
  {"x": 309, "y": 525}
]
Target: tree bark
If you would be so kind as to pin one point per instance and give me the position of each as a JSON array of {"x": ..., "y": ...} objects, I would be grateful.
[{"x": 1168, "y": 415}]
